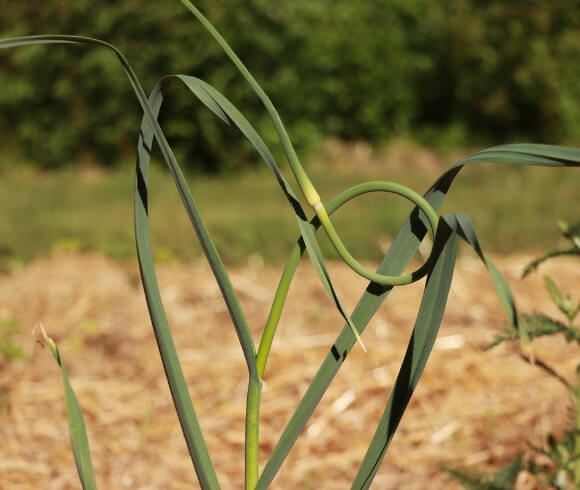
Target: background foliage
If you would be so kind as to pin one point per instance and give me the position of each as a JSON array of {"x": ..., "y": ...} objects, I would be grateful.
[{"x": 370, "y": 69}]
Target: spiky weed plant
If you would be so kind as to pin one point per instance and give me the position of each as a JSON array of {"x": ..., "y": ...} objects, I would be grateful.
[
  {"x": 564, "y": 452},
  {"x": 437, "y": 269}
]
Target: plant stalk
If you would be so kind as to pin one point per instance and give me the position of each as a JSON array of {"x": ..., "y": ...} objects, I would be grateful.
[
  {"x": 276, "y": 311},
  {"x": 252, "y": 449}
]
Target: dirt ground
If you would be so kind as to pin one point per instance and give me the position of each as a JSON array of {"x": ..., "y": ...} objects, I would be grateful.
[{"x": 471, "y": 407}]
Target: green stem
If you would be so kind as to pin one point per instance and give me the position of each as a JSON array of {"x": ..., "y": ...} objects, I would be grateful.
[
  {"x": 290, "y": 268},
  {"x": 276, "y": 311},
  {"x": 253, "y": 432},
  {"x": 391, "y": 187},
  {"x": 255, "y": 384},
  {"x": 304, "y": 182},
  {"x": 255, "y": 387},
  {"x": 302, "y": 178}
]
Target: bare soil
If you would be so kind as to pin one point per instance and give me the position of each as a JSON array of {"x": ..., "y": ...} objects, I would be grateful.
[{"x": 471, "y": 407}]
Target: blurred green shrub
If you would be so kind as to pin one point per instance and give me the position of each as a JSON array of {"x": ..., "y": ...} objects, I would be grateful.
[
  {"x": 350, "y": 69},
  {"x": 9, "y": 350},
  {"x": 556, "y": 464}
]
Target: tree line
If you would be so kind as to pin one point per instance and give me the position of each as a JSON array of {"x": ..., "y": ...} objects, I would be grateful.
[{"x": 445, "y": 73}]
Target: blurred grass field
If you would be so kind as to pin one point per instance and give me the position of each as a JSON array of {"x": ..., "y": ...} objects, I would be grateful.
[{"x": 90, "y": 209}]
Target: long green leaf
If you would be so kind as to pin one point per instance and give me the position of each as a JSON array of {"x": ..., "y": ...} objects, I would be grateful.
[
  {"x": 76, "y": 423},
  {"x": 226, "y": 111},
  {"x": 184, "y": 407},
  {"x": 210, "y": 251},
  {"x": 418, "y": 351},
  {"x": 423, "y": 338},
  {"x": 302, "y": 178},
  {"x": 221, "y": 106}
]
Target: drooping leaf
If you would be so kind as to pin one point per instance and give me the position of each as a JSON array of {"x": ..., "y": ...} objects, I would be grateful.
[
  {"x": 151, "y": 129},
  {"x": 422, "y": 339},
  {"x": 224, "y": 109}
]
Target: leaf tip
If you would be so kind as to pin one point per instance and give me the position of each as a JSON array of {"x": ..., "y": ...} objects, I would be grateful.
[
  {"x": 358, "y": 338},
  {"x": 42, "y": 338}
]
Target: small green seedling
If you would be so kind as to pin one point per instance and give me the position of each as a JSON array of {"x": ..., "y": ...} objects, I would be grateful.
[{"x": 564, "y": 453}]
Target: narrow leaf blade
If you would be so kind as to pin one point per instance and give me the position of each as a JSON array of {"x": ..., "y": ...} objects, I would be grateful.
[
  {"x": 76, "y": 423},
  {"x": 418, "y": 351}
]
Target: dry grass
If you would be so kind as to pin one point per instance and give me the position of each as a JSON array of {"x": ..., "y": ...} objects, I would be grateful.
[{"x": 471, "y": 407}]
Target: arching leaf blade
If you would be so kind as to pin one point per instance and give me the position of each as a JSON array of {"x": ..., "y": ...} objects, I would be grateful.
[
  {"x": 187, "y": 417},
  {"x": 224, "y": 109}
]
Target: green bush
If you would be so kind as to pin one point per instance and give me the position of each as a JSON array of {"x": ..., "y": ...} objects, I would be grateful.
[{"x": 354, "y": 70}]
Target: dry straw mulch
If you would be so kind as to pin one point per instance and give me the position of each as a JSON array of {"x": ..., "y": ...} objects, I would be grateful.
[{"x": 471, "y": 407}]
